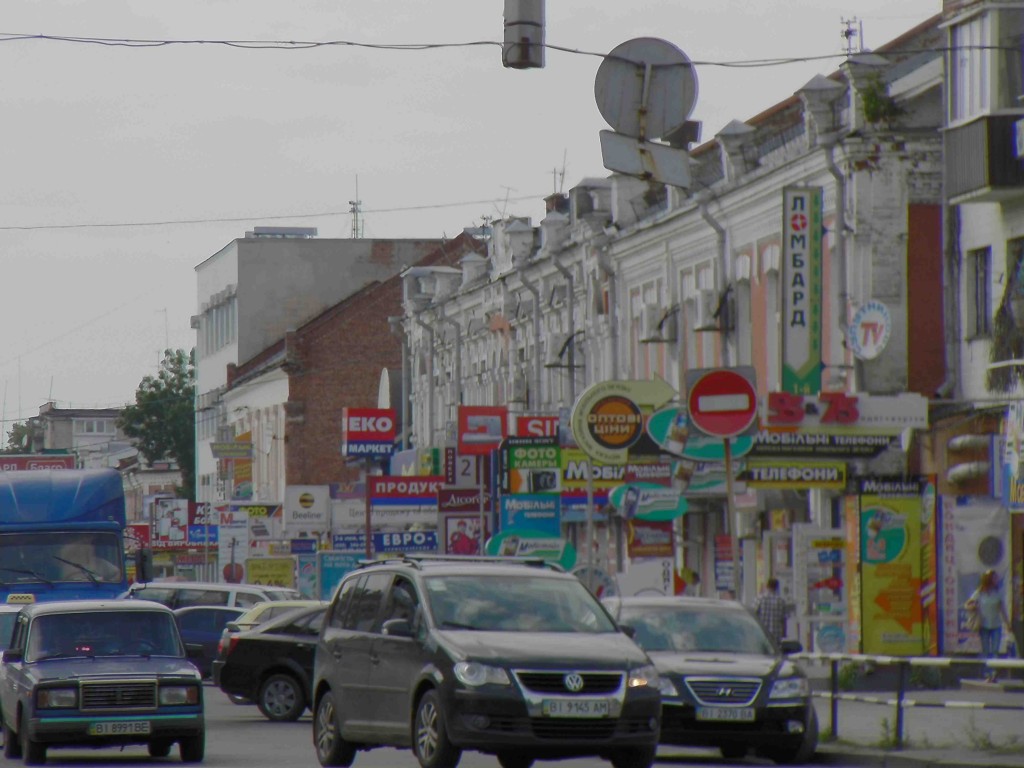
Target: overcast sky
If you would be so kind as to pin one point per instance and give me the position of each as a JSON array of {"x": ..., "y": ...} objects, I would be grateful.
[{"x": 100, "y": 143}]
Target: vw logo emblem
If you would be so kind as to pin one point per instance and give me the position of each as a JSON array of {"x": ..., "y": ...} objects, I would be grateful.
[
  {"x": 724, "y": 693},
  {"x": 574, "y": 682}
]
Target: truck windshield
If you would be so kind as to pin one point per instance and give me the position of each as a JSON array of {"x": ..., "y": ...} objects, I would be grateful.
[
  {"x": 103, "y": 633},
  {"x": 60, "y": 556}
]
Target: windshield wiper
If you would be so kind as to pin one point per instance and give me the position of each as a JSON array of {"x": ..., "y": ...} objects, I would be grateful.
[
  {"x": 48, "y": 656},
  {"x": 27, "y": 572},
  {"x": 91, "y": 574}
]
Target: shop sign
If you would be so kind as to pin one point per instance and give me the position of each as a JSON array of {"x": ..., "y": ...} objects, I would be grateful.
[
  {"x": 802, "y": 234},
  {"x": 404, "y": 501},
  {"x": 235, "y": 449},
  {"x": 25, "y": 461},
  {"x": 796, "y": 474},
  {"x": 648, "y": 502},
  {"x": 609, "y": 417},
  {"x": 868, "y": 333},
  {"x": 821, "y": 445},
  {"x": 842, "y": 413},
  {"x": 481, "y": 428},
  {"x": 367, "y": 431},
  {"x": 649, "y": 538}
]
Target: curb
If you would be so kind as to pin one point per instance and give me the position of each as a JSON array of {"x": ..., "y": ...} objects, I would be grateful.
[{"x": 877, "y": 758}]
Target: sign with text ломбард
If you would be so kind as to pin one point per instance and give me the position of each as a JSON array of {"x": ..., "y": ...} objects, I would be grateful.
[{"x": 802, "y": 237}]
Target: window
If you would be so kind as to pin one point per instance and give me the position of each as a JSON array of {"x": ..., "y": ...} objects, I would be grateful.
[
  {"x": 1010, "y": 60},
  {"x": 979, "y": 297},
  {"x": 366, "y": 603},
  {"x": 202, "y": 597},
  {"x": 342, "y": 603},
  {"x": 969, "y": 67}
]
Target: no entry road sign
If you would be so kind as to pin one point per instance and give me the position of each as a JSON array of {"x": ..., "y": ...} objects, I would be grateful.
[{"x": 722, "y": 402}]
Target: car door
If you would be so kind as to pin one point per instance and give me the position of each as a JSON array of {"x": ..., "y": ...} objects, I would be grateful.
[
  {"x": 295, "y": 641},
  {"x": 203, "y": 626},
  {"x": 346, "y": 642},
  {"x": 13, "y": 676},
  {"x": 395, "y": 661}
]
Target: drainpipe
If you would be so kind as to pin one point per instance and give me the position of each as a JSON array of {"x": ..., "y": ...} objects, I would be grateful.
[
  {"x": 398, "y": 328},
  {"x": 604, "y": 263},
  {"x": 537, "y": 362},
  {"x": 721, "y": 274},
  {"x": 430, "y": 380},
  {"x": 457, "y": 375},
  {"x": 570, "y": 281},
  {"x": 841, "y": 257}
]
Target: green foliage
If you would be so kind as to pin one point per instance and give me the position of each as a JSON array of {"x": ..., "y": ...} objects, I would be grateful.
[
  {"x": 879, "y": 106},
  {"x": 19, "y": 438},
  {"x": 849, "y": 673},
  {"x": 162, "y": 419},
  {"x": 926, "y": 677}
]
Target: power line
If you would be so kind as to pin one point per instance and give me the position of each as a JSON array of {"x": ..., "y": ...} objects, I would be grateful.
[{"x": 259, "y": 217}]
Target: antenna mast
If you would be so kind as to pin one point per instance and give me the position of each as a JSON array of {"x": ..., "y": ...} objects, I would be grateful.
[
  {"x": 357, "y": 226},
  {"x": 853, "y": 28}
]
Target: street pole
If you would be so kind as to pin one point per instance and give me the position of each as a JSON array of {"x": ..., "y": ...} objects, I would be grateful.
[
  {"x": 369, "y": 524},
  {"x": 480, "y": 532},
  {"x": 734, "y": 522},
  {"x": 589, "y": 543}
]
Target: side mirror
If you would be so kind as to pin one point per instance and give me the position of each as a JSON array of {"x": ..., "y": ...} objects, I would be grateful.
[
  {"x": 12, "y": 654},
  {"x": 790, "y": 646},
  {"x": 397, "y": 628},
  {"x": 628, "y": 630},
  {"x": 143, "y": 564}
]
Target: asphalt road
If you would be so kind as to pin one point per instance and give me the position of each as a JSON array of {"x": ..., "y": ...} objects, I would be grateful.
[{"x": 240, "y": 737}]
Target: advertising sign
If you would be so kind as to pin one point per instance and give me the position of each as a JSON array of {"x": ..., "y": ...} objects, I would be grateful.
[
  {"x": 529, "y": 543},
  {"x": 20, "y": 461},
  {"x": 401, "y": 502},
  {"x": 170, "y": 527},
  {"x": 233, "y": 544},
  {"x": 241, "y": 469},
  {"x": 646, "y": 538},
  {"x": 802, "y": 236},
  {"x": 842, "y": 413},
  {"x": 819, "y": 579},
  {"x": 531, "y": 465},
  {"x": 232, "y": 450},
  {"x": 822, "y": 446},
  {"x": 461, "y": 534},
  {"x": 671, "y": 430},
  {"x": 271, "y": 571},
  {"x": 540, "y": 512},
  {"x": 332, "y": 567},
  {"x": 461, "y": 500},
  {"x": 136, "y": 536},
  {"x": 307, "y": 508},
  {"x": 203, "y": 534},
  {"x": 890, "y": 556},
  {"x": 537, "y": 426},
  {"x": 481, "y": 428},
  {"x": 868, "y": 333},
  {"x": 647, "y": 501},
  {"x": 796, "y": 474},
  {"x": 609, "y": 417},
  {"x": 367, "y": 431}
]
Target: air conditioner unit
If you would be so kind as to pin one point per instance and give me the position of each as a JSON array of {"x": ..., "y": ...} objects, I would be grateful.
[
  {"x": 706, "y": 310},
  {"x": 657, "y": 324},
  {"x": 519, "y": 390}
]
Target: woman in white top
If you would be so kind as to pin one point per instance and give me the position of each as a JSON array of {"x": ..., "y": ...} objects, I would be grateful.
[{"x": 987, "y": 600}]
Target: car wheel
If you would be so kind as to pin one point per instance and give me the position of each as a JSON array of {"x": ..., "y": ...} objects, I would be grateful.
[
  {"x": 431, "y": 744},
  {"x": 331, "y": 748},
  {"x": 806, "y": 749},
  {"x": 34, "y": 752},
  {"x": 12, "y": 744},
  {"x": 281, "y": 698},
  {"x": 733, "y": 751},
  {"x": 513, "y": 760},
  {"x": 192, "y": 749},
  {"x": 159, "y": 748},
  {"x": 637, "y": 757}
]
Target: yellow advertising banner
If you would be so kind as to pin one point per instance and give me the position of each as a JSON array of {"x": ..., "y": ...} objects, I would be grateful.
[
  {"x": 271, "y": 571},
  {"x": 892, "y": 619}
]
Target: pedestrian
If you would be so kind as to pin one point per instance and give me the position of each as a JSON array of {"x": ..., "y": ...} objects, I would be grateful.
[
  {"x": 771, "y": 610},
  {"x": 987, "y": 603}
]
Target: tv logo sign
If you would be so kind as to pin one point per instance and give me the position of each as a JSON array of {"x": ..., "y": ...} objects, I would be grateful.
[{"x": 367, "y": 431}]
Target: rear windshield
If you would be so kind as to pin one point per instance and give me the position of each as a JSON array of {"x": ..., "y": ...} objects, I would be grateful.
[
  {"x": 283, "y": 594},
  {"x": 103, "y": 633},
  {"x": 524, "y": 604}
]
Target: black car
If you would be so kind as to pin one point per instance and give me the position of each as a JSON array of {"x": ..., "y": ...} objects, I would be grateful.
[
  {"x": 272, "y": 664},
  {"x": 725, "y": 683},
  {"x": 97, "y": 673},
  {"x": 508, "y": 657},
  {"x": 201, "y": 627}
]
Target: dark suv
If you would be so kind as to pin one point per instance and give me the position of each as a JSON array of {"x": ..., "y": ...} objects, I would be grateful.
[{"x": 508, "y": 657}]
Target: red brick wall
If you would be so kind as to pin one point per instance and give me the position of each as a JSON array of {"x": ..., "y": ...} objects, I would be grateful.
[{"x": 926, "y": 350}]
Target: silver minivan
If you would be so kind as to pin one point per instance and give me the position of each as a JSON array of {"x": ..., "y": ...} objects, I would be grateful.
[{"x": 184, "y": 594}]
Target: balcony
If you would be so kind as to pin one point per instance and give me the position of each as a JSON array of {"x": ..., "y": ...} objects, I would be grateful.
[{"x": 981, "y": 161}]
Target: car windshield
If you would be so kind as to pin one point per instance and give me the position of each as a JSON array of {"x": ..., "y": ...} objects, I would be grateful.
[
  {"x": 696, "y": 629},
  {"x": 92, "y": 556},
  {"x": 523, "y": 604},
  {"x": 103, "y": 633}
]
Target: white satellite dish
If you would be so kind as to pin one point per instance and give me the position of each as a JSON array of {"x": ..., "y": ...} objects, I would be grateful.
[{"x": 646, "y": 88}]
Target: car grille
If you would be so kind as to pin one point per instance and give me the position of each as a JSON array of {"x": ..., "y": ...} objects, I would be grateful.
[
  {"x": 724, "y": 691},
  {"x": 554, "y": 682},
  {"x": 125, "y": 694}
]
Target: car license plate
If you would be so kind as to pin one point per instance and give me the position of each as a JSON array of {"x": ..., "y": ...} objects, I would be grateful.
[
  {"x": 119, "y": 727},
  {"x": 732, "y": 714},
  {"x": 575, "y": 707}
]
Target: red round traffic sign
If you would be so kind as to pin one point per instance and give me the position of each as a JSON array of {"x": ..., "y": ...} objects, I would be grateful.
[{"x": 722, "y": 403}]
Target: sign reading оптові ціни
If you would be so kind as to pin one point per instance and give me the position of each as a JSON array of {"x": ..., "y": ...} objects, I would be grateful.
[{"x": 609, "y": 416}]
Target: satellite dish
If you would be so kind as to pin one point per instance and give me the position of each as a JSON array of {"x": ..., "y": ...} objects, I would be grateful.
[{"x": 646, "y": 88}]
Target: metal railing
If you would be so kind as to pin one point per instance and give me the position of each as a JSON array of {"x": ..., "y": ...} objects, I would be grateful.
[{"x": 901, "y": 702}]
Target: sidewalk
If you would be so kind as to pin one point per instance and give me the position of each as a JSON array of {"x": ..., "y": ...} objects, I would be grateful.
[{"x": 975, "y": 724}]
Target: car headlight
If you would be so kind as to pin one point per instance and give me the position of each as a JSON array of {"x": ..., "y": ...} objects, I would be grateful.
[
  {"x": 474, "y": 674},
  {"x": 177, "y": 695},
  {"x": 57, "y": 698},
  {"x": 790, "y": 688},
  {"x": 642, "y": 676}
]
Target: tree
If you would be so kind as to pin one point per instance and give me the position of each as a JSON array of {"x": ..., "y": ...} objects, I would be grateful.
[
  {"x": 162, "y": 419},
  {"x": 19, "y": 438}
]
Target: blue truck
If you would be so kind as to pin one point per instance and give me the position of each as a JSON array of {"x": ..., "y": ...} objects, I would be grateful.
[{"x": 61, "y": 535}]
